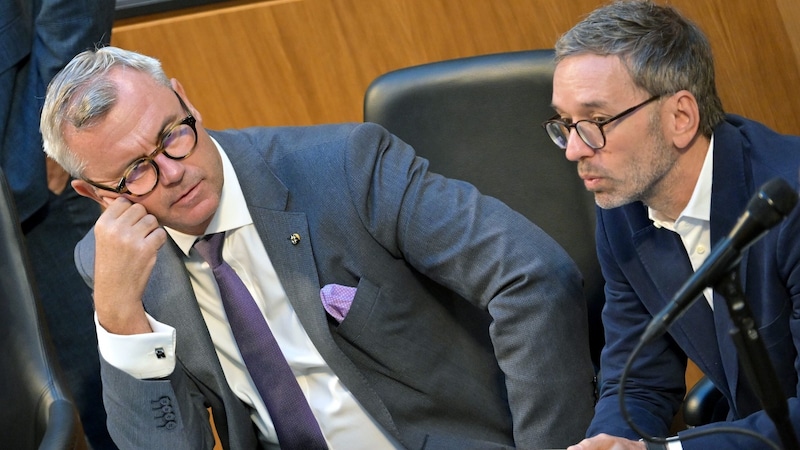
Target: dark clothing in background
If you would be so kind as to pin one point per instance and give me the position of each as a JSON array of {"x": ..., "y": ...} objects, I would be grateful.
[{"x": 37, "y": 38}]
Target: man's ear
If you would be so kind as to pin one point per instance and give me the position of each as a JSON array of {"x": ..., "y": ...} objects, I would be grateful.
[
  {"x": 178, "y": 87},
  {"x": 685, "y": 116},
  {"x": 87, "y": 190}
]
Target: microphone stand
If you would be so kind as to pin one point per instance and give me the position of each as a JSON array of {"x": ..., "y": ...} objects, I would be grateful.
[{"x": 755, "y": 360}]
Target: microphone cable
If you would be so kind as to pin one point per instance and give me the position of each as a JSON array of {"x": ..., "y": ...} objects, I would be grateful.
[{"x": 694, "y": 434}]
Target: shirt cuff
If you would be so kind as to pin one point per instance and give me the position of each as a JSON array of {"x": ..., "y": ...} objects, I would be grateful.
[
  {"x": 672, "y": 443},
  {"x": 142, "y": 356}
]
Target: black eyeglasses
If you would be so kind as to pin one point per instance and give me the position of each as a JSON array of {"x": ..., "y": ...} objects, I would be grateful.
[
  {"x": 590, "y": 131},
  {"x": 141, "y": 176}
]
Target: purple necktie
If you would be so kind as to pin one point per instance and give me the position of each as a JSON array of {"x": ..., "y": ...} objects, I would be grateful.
[{"x": 294, "y": 423}]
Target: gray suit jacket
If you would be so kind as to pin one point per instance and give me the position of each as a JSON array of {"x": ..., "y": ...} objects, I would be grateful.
[{"x": 468, "y": 328}]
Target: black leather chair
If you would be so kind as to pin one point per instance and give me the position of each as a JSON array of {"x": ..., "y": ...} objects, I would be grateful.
[
  {"x": 478, "y": 119},
  {"x": 36, "y": 410},
  {"x": 703, "y": 404}
]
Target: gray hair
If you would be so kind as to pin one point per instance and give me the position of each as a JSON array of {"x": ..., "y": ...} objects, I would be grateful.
[
  {"x": 663, "y": 51},
  {"x": 81, "y": 94}
]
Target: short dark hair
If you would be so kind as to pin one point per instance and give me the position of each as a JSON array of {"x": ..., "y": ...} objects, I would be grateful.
[{"x": 663, "y": 51}]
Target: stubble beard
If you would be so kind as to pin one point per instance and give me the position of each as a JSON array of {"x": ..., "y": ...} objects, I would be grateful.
[{"x": 644, "y": 177}]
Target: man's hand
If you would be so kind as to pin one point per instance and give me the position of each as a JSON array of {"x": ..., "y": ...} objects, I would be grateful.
[
  {"x": 127, "y": 242},
  {"x": 606, "y": 442},
  {"x": 57, "y": 177}
]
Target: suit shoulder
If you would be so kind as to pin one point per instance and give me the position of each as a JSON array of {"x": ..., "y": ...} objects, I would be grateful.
[
  {"x": 15, "y": 33},
  {"x": 277, "y": 143},
  {"x": 294, "y": 135},
  {"x": 759, "y": 134}
]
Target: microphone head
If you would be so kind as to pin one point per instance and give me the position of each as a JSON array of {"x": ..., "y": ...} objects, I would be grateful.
[{"x": 772, "y": 202}]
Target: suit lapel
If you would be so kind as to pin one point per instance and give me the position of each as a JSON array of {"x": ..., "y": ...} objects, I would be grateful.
[
  {"x": 286, "y": 238},
  {"x": 664, "y": 258},
  {"x": 731, "y": 187},
  {"x": 731, "y": 190},
  {"x": 169, "y": 297},
  {"x": 267, "y": 200}
]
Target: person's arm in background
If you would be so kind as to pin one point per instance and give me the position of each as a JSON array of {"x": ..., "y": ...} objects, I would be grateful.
[{"x": 62, "y": 29}]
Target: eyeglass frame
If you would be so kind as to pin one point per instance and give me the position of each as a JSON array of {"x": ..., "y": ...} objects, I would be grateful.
[
  {"x": 121, "y": 188},
  {"x": 598, "y": 123}
]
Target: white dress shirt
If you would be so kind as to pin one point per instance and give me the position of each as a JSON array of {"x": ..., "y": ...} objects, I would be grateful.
[
  {"x": 694, "y": 227},
  {"x": 694, "y": 222},
  {"x": 343, "y": 421}
]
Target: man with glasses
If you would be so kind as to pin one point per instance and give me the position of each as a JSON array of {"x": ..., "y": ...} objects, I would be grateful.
[
  {"x": 411, "y": 310},
  {"x": 637, "y": 110}
]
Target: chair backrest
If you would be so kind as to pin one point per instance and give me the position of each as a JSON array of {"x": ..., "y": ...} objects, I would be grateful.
[
  {"x": 37, "y": 412},
  {"x": 478, "y": 119}
]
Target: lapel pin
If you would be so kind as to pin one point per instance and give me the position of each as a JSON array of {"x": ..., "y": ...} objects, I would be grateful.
[{"x": 294, "y": 238}]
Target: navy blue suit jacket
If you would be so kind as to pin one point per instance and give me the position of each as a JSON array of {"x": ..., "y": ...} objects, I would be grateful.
[
  {"x": 37, "y": 39},
  {"x": 644, "y": 266}
]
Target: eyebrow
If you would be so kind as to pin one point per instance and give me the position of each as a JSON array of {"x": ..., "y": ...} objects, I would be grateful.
[
  {"x": 586, "y": 105},
  {"x": 165, "y": 125}
]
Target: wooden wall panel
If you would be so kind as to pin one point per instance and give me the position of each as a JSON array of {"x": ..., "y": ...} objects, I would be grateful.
[
  {"x": 755, "y": 64},
  {"x": 309, "y": 61}
]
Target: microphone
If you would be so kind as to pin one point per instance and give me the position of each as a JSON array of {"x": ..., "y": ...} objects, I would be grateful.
[{"x": 771, "y": 203}]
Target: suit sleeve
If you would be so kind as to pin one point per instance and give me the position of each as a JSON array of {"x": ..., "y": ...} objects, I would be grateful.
[
  {"x": 175, "y": 416},
  {"x": 655, "y": 384},
  {"x": 496, "y": 259}
]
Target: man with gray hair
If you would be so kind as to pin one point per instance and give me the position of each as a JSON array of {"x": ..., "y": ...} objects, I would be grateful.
[
  {"x": 407, "y": 309},
  {"x": 637, "y": 110}
]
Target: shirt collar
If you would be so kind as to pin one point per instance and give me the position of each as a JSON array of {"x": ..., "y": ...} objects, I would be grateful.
[
  {"x": 231, "y": 213},
  {"x": 699, "y": 206}
]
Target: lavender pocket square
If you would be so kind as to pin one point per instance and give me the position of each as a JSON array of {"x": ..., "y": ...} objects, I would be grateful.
[{"x": 337, "y": 300}]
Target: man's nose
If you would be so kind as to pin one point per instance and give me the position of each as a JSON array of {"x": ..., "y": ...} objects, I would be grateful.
[
  {"x": 171, "y": 170},
  {"x": 576, "y": 148}
]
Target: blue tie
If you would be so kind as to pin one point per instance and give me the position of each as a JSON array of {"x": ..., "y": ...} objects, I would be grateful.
[{"x": 294, "y": 423}]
